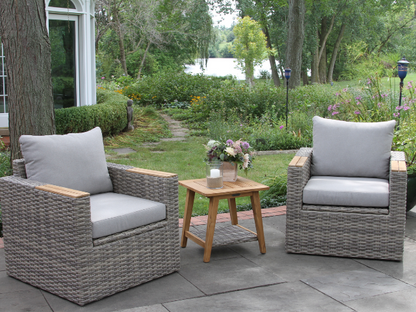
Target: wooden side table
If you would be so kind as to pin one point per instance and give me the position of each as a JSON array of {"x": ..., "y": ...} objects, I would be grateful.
[{"x": 233, "y": 233}]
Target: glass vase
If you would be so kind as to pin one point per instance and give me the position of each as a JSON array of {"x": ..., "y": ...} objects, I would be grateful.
[{"x": 230, "y": 172}]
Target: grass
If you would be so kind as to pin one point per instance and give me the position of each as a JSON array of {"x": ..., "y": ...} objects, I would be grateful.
[
  {"x": 149, "y": 126},
  {"x": 186, "y": 159}
]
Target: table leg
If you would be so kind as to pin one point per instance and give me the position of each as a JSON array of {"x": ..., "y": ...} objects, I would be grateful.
[
  {"x": 212, "y": 219},
  {"x": 189, "y": 204},
  {"x": 233, "y": 211},
  {"x": 255, "y": 202}
]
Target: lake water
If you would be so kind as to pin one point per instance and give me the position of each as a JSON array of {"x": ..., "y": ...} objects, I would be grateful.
[{"x": 224, "y": 67}]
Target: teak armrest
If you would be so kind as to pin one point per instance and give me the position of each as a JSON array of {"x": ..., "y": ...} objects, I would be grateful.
[
  {"x": 62, "y": 191},
  {"x": 154, "y": 173},
  {"x": 398, "y": 165},
  {"x": 298, "y": 161}
]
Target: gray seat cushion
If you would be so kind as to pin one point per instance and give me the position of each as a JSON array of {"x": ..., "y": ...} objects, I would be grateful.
[
  {"x": 112, "y": 213},
  {"x": 351, "y": 149},
  {"x": 75, "y": 160},
  {"x": 346, "y": 191}
]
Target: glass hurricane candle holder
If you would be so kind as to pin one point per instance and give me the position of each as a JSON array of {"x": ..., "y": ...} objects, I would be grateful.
[{"x": 214, "y": 175}]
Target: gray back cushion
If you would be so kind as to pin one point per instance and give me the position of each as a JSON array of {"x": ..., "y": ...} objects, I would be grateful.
[
  {"x": 351, "y": 149},
  {"x": 75, "y": 160}
]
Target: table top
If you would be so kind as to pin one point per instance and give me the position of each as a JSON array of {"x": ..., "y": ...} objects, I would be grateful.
[{"x": 242, "y": 185}]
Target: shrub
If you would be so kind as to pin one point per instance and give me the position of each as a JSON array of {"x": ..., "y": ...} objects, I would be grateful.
[
  {"x": 168, "y": 87},
  {"x": 109, "y": 114}
]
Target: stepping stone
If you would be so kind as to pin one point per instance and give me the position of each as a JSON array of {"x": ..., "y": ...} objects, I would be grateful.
[{"x": 123, "y": 151}]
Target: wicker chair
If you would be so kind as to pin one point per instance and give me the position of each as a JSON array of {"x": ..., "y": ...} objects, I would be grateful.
[
  {"x": 49, "y": 242},
  {"x": 346, "y": 231}
]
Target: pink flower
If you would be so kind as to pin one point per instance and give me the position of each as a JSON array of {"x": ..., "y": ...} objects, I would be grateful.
[
  {"x": 357, "y": 112},
  {"x": 329, "y": 108},
  {"x": 335, "y": 113},
  {"x": 229, "y": 142},
  {"x": 345, "y": 89},
  {"x": 396, "y": 114},
  {"x": 281, "y": 127},
  {"x": 102, "y": 77},
  {"x": 358, "y": 98}
]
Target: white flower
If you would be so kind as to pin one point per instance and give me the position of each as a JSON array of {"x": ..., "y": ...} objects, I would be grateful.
[
  {"x": 230, "y": 151},
  {"x": 212, "y": 143}
]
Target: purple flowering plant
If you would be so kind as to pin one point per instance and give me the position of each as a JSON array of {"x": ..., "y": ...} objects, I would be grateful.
[
  {"x": 239, "y": 152},
  {"x": 372, "y": 104}
]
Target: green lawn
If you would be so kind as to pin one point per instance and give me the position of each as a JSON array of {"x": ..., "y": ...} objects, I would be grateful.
[{"x": 186, "y": 159}]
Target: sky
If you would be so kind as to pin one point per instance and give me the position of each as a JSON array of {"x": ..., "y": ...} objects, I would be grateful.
[{"x": 224, "y": 19}]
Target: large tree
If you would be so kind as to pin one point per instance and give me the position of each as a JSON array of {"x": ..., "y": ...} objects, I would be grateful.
[
  {"x": 295, "y": 38},
  {"x": 27, "y": 50}
]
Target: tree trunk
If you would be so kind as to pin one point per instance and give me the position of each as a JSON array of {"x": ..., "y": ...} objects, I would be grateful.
[
  {"x": 28, "y": 57},
  {"x": 272, "y": 59},
  {"x": 142, "y": 62},
  {"x": 323, "y": 67},
  {"x": 249, "y": 73},
  {"x": 315, "y": 66},
  {"x": 334, "y": 53},
  {"x": 305, "y": 77},
  {"x": 296, "y": 36},
  {"x": 119, "y": 32}
]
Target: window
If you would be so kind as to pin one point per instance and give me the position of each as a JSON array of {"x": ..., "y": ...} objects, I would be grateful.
[
  {"x": 62, "y": 35},
  {"x": 3, "y": 90},
  {"x": 67, "y": 4}
]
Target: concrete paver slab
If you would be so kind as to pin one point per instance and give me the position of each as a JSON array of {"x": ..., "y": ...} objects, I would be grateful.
[
  {"x": 153, "y": 308},
  {"x": 351, "y": 285},
  {"x": 287, "y": 297},
  {"x": 403, "y": 301},
  {"x": 168, "y": 288},
  {"x": 404, "y": 270},
  {"x": 23, "y": 301},
  {"x": 226, "y": 275}
]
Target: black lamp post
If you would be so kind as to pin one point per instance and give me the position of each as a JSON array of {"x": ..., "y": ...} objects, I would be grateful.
[
  {"x": 402, "y": 71},
  {"x": 287, "y": 76}
]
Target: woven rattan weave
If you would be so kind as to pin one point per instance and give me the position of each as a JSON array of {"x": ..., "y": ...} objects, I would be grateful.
[
  {"x": 345, "y": 231},
  {"x": 48, "y": 237}
]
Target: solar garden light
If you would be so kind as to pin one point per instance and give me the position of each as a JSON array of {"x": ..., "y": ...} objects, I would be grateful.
[
  {"x": 402, "y": 71},
  {"x": 287, "y": 76}
]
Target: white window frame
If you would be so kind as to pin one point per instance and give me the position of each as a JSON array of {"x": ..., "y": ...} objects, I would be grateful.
[{"x": 4, "y": 117}]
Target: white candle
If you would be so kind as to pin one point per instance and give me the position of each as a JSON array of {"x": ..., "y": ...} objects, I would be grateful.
[{"x": 215, "y": 173}]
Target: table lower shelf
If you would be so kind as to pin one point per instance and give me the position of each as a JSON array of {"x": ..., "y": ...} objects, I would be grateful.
[{"x": 226, "y": 235}]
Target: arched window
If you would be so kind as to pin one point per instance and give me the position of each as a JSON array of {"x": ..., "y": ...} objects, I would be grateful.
[{"x": 67, "y": 4}]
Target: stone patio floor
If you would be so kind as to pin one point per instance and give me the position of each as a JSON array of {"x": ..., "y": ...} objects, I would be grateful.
[{"x": 239, "y": 278}]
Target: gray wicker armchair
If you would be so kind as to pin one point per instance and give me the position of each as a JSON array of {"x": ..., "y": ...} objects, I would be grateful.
[
  {"x": 49, "y": 241},
  {"x": 322, "y": 225}
]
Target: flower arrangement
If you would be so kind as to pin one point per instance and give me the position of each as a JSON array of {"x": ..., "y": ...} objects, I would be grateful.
[{"x": 239, "y": 152}]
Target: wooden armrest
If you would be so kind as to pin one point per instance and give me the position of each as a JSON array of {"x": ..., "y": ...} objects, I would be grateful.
[
  {"x": 398, "y": 165},
  {"x": 62, "y": 191},
  {"x": 298, "y": 161},
  {"x": 159, "y": 174}
]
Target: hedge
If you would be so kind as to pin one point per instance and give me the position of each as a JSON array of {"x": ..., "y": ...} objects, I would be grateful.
[{"x": 109, "y": 114}]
